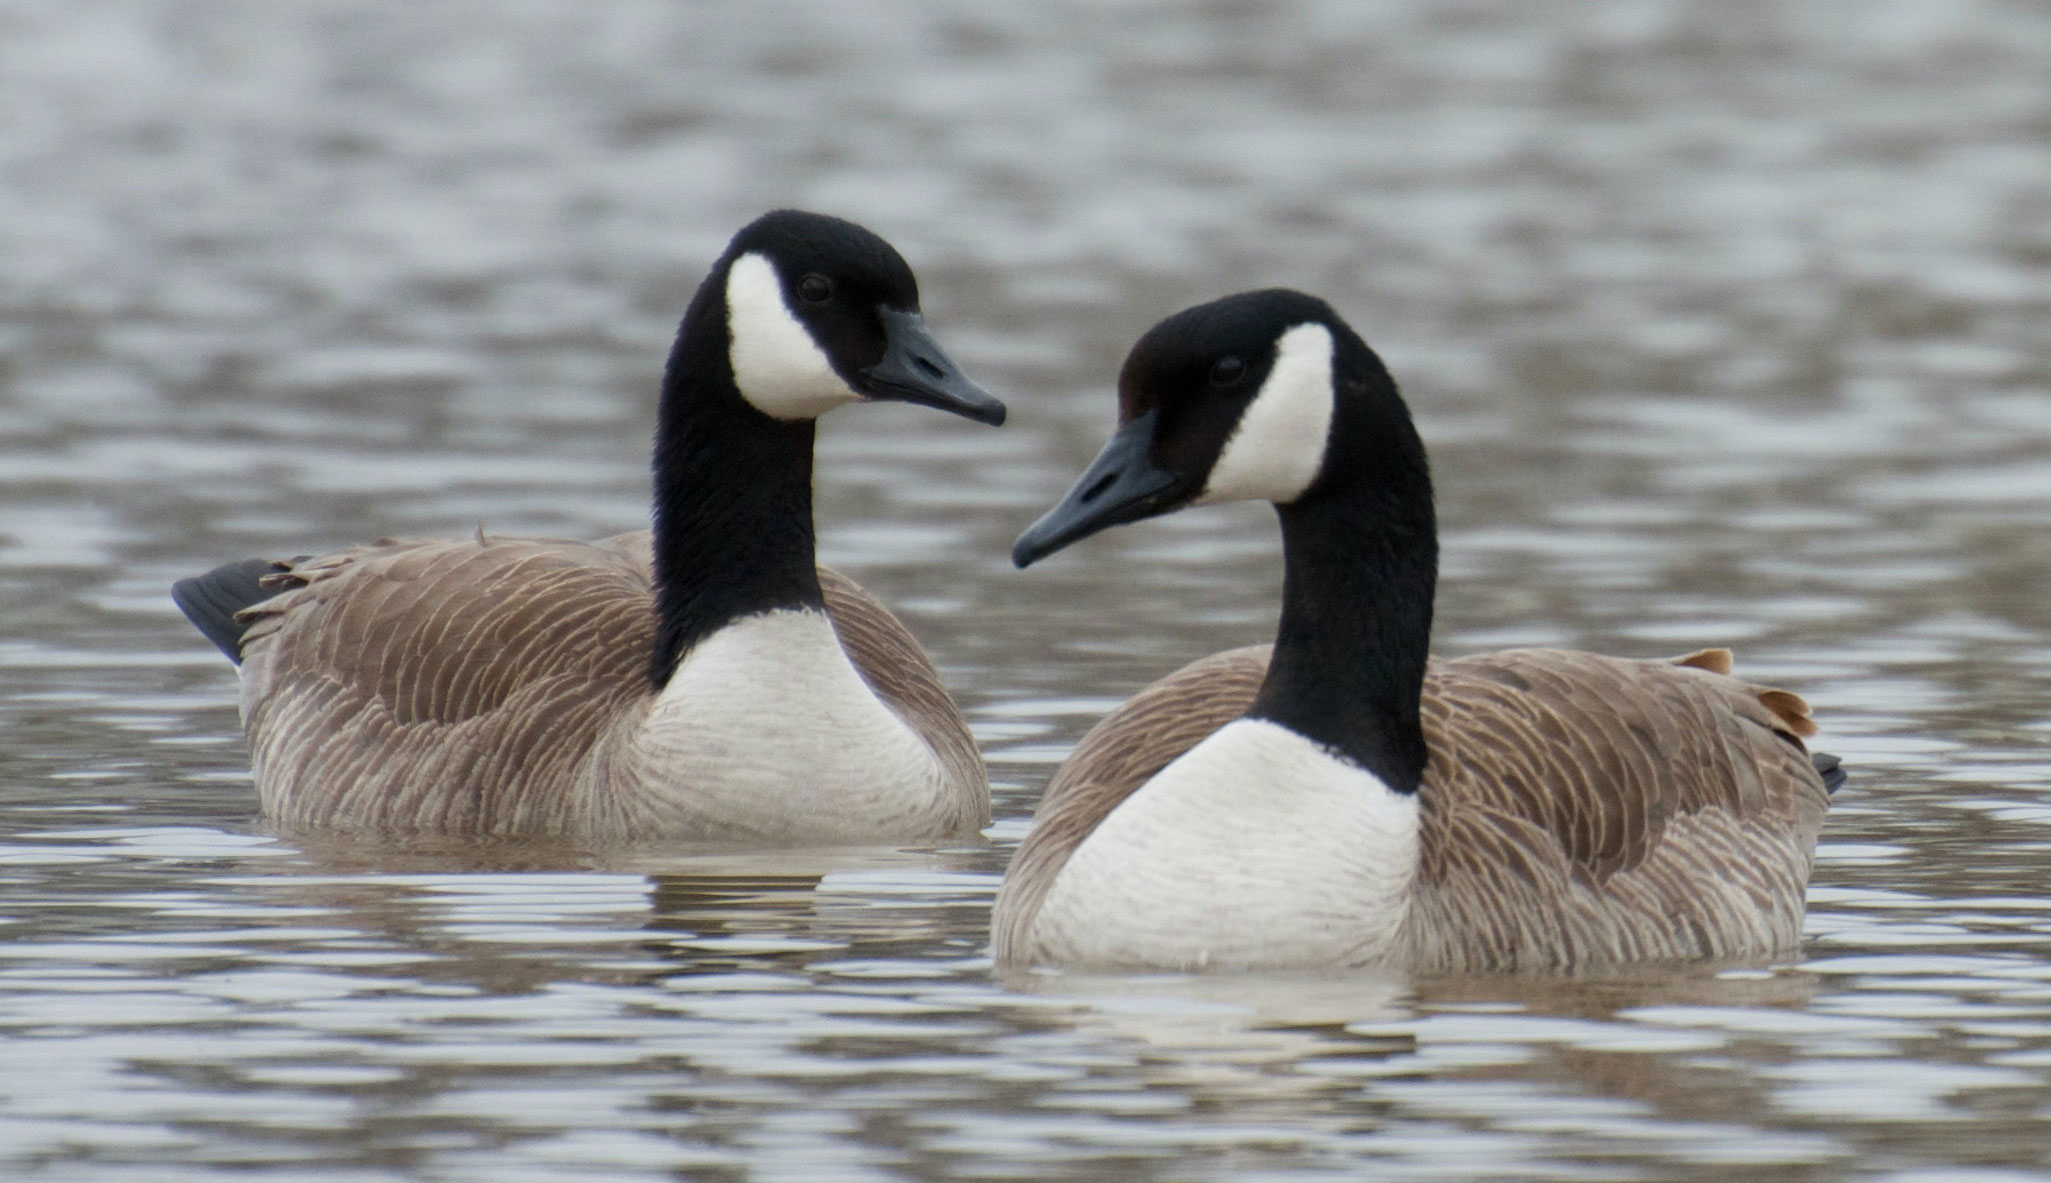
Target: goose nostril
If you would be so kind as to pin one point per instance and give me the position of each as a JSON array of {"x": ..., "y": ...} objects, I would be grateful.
[
  {"x": 1097, "y": 490},
  {"x": 928, "y": 367}
]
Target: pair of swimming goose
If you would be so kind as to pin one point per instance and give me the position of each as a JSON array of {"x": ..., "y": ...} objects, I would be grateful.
[{"x": 1335, "y": 799}]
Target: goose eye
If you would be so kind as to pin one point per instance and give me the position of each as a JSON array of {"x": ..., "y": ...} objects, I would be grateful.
[
  {"x": 815, "y": 289},
  {"x": 1227, "y": 371}
]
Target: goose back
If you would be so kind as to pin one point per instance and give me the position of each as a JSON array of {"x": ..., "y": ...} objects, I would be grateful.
[
  {"x": 479, "y": 687},
  {"x": 1576, "y": 809}
]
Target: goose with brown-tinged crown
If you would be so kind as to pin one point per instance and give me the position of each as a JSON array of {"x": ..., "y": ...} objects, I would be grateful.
[
  {"x": 706, "y": 682},
  {"x": 1338, "y": 799}
]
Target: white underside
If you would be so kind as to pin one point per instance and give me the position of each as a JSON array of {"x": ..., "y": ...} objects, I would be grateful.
[
  {"x": 1256, "y": 849},
  {"x": 767, "y": 731}
]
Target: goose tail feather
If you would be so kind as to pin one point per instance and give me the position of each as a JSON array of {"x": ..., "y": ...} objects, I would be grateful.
[
  {"x": 1831, "y": 769},
  {"x": 211, "y": 601}
]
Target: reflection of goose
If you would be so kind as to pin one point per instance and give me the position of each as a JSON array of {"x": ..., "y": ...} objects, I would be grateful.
[
  {"x": 531, "y": 686},
  {"x": 1277, "y": 808},
  {"x": 1242, "y": 1048},
  {"x": 802, "y": 911}
]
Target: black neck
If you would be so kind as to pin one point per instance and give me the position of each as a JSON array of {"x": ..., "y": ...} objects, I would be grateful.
[
  {"x": 733, "y": 496},
  {"x": 1361, "y": 566}
]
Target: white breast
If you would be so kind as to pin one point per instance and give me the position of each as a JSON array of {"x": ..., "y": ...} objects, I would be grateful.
[
  {"x": 767, "y": 731},
  {"x": 1256, "y": 848}
]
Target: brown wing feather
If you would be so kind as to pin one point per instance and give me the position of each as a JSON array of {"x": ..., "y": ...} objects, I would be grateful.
[
  {"x": 1576, "y": 808},
  {"x": 1581, "y": 809},
  {"x": 440, "y": 685}
]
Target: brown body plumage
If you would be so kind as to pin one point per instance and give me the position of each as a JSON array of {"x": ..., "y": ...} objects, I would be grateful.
[
  {"x": 494, "y": 686},
  {"x": 1577, "y": 809}
]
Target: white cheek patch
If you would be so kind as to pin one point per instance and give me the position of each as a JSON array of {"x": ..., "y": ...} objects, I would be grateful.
[
  {"x": 1279, "y": 446},
  {"x": 776, "y": 364}
]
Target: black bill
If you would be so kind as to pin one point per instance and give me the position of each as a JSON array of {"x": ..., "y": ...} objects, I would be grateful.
[
  {"x": 1121, "y": 485},
  {"x": 914, "y": 369}
]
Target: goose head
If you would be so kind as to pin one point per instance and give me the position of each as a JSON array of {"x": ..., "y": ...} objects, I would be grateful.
[
  {"x": 820, "y": 312},
  {"x": 1242, "y": 399}
]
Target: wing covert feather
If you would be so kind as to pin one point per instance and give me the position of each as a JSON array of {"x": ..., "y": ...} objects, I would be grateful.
[
  {"x": 1582, "y": 809},
  {"x": 434, "y": 685}
]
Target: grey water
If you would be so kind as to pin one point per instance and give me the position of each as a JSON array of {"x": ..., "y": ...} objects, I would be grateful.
[{"x": 1725, "y": 323}]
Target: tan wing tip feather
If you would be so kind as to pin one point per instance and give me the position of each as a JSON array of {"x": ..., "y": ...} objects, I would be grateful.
[
  {"x": 1716, "y": 661},
  {"x": 1790, "y": 709}
]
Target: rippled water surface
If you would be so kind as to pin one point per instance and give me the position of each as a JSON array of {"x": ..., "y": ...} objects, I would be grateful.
[{"x": 1726, "y": 323}]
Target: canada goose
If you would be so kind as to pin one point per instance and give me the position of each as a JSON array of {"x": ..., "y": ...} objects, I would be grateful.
[
  {"x": 708, "y": 682},
  {"x": 1335, "y": 800}
]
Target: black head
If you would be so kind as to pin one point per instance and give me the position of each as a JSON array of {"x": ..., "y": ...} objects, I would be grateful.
[
  {"x": 821, "y": 312},
  {"x": 1240, "y": 399}
]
